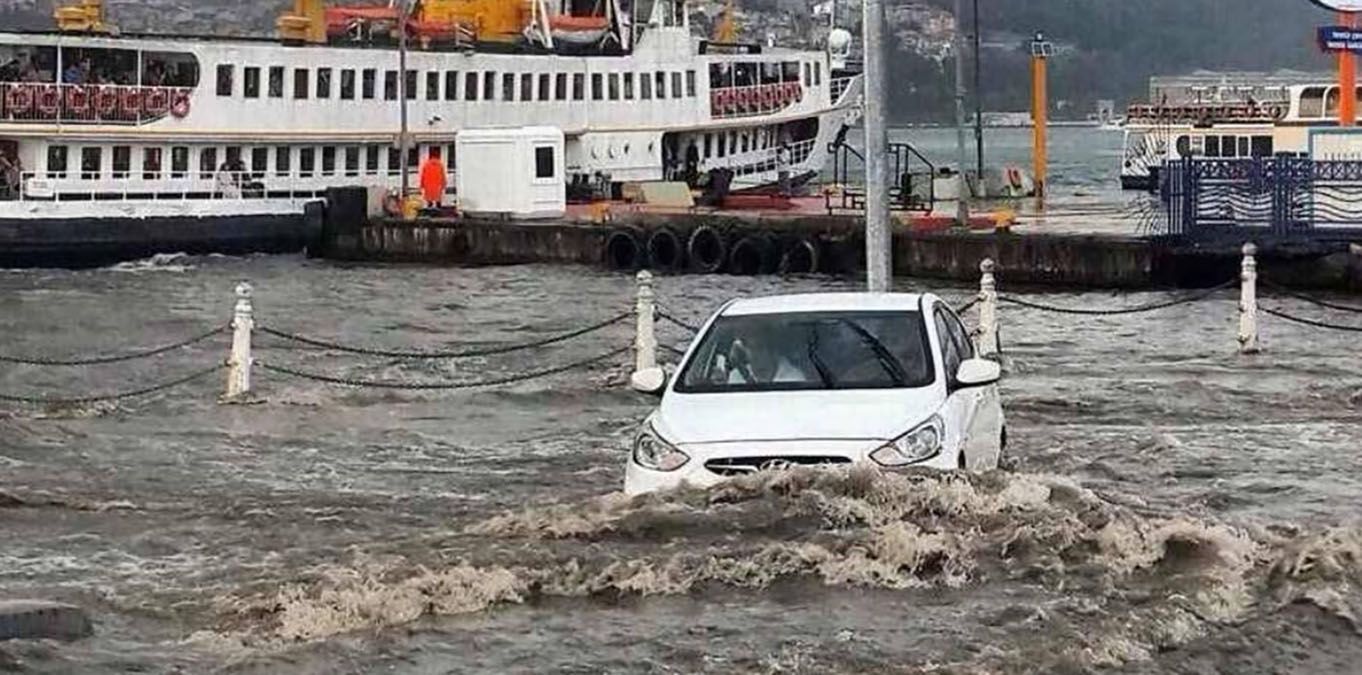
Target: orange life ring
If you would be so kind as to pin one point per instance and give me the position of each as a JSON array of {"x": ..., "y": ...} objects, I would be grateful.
[
  {"x": 77, "y": 100},
  {"x": 179, "y": 106},
  {"x": 49, "y": 100},
  {"x": 155, "y": 101},
  {"x": 130, "y": 101},
  {"x": 106, "y": 101},
  {"x": 19, "y": 99}
]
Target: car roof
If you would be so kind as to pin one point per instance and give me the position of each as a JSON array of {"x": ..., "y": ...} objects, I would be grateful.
[{"x": 825, "y": 302}]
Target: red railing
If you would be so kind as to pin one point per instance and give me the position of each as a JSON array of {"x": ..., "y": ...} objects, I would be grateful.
[
  {"x": 90, "y": 104},
  {"x": 761, "y": 99}
]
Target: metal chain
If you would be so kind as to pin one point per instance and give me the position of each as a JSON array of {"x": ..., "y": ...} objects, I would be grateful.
[
  {"x": 1314, "y": 301},
  {"x": 1311, "y": 322},
  {"x": 384, "y": 384},
  {"x": 113, "y": 397},
  {"x": 663, "y": 315},
  {"x": 674, "y": 350},
  {"x": 1126, "y": 310},
  {"x": 967, "y": 306},
  {"x": 470, "y": 353},
  {"x": 98, "y": 360}
]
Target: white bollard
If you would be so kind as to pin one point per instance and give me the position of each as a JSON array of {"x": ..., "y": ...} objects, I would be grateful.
[
  {"x": 988, "y": 310},
  {"x": 1248, "y": 301},
  {"x": 645, "y": 335},
  {"x": 239, "y": 363}
]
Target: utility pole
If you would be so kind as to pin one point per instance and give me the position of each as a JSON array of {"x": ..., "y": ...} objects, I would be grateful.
[
  {"x": 978, "y": 101},
  {"x": 879, "y": 240},
  {"x": 962, "y": 204},
  {"x": 403, "y": 140}
]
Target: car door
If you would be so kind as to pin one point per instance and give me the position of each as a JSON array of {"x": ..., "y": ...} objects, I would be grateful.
[
  {"x": 958, "y": 409},
  {"x": 983, "y": 410}
]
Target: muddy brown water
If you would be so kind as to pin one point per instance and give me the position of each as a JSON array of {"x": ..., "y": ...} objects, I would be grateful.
[{"x": 1167, "y": 505}]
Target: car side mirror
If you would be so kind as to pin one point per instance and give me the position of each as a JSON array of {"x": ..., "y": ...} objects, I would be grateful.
[
  {"x": 978, "y": 373},
  {"x": 651, "y": 381}
]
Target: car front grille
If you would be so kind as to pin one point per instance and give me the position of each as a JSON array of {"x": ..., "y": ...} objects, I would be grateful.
[{"x": 741, "y": 466}]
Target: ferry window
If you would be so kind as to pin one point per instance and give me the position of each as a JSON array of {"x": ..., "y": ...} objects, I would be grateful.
[
  {"x": 250, "y": 82},
  {"x": 543, "y": 86},
  {"x": 489, "y": 86},
  {"x": 645, "y": 86},
  {"x": 709, "y": 142},
  {"x": 614, "y": 87},
  {"x": 122, "y": 161},
  {"x": 661, "y": 84},
  {"x": 282, "y": 156},
  {"x": 91, "y": 163},
  {"x": 208, "y": 163},
  {"x": 324, "y": 83},
  {"x": 347, "y": 87},
  {"x": 732, "y": 143},
  {"x": 260, "y": 161},
  {"x": 394, "y": 161},
  {"x": 1212, "y": 146},
  {"x": 743, "y": 143},
  {"x": 1227, "y": 146},
  {"x": 432, "y": 86},
  {"x": 151, "y": 163},
  {"x": 578, "y": 86},
  {"x": 527, "y": 86},
  {"x": 276, "y": 81},
  {"x": 817, "y": 73},
  {"x": 721, "y": 146},
  {"x": 628, "y": 86},
  {"x": 470, "y": 87},
  {"x": 597, "y": 87},
  {"x": 1184, "y": 147},
  {"x": 508, "y": 86},
  {"x": 56, "y": 161},
  {"x": 234, "y": 155},
  {"x": 1243, "y": 146},
  {"x": 409, "y": 82},
  {"x": 1261, "y": 146},
  {"x": 789, "y": 71},
  {"x": 690, "y": 83},
  {"x": 371, "y": 160},
  {"x": 676, "y": 85},
  {"x": 368, "y": 83},
  {"x": 390, "y": 85},
  {"x": 449, "y": 156},
  {"x": 225, "y": 79},
  {"x": 560, "y": 91},
  {"x": 1331, "y": 102},
  {"x": 307, "y": 162},
  {"x": 451, "y": 85},
  {"x": 171, "y": 69},
  {"x": 300, "y": 84},
  {"x": 328, "y": 160},
  {"x": 179, "y": 161},
  {"x": 808, "y": 74},
  {"x": 543, "y": 162},
  {"x": 414, "y": 156},
  {"x": 351, "y": 161}
]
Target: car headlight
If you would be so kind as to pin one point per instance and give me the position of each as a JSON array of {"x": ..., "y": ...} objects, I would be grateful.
[
  {"x": 651, "y": 452},
  {"x": 922, "y": 443}
]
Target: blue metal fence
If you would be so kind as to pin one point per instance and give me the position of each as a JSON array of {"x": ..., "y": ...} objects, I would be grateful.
[{"x": 1285, "y": 196}]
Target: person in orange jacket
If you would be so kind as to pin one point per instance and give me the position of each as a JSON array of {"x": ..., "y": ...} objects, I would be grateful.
[{"x": 433, "y": 179}]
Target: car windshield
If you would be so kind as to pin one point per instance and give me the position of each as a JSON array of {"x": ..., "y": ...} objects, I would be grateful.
[{"x": 813, "y": 350}]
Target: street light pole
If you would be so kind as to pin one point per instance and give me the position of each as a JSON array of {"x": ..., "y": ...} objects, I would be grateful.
[
  {"x": 978, "y": 101},
  {"x": 962, "y": 203},
  {"x": 403, "y": 140},
  {"x": 879, "y": 239}
]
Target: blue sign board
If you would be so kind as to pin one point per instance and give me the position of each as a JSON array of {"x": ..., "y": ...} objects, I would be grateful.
[{"x": 1340, "y": 39}]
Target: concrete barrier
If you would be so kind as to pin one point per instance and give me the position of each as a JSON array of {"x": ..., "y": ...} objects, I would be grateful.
[{"x": 37, "y": 619}]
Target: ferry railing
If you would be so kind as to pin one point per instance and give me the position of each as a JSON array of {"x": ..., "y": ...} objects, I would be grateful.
[
  {"x": 91, "y": 103},
  {"x": 758, "y": 99},
  {"x": 222, "y": 185},
  {"x": 839, "y": 86},
  {"x": 769, "y": 160}
]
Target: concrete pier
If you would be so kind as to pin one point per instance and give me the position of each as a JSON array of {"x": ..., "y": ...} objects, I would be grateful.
[{"x": 39, "y": 619}]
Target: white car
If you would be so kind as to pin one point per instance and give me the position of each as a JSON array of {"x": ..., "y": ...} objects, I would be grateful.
[{"x": 822, "y": 379}]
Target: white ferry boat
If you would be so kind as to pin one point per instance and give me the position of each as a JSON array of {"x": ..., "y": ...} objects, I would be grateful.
[{"x": 129, "y": 144}]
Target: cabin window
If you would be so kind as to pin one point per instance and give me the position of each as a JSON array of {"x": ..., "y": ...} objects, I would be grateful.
[
  {"x": 390, "y": 85},
  {"x": 1184, "y": 147},
  {"x": 1261, "y": 146},
  {"x": 560, "y": 90},
  {"x": 742, "y": 143},
  {"x": 645, "y": 86},
  {"x": 720, "y": 146},
  {"x": 817, "y": 73},
  {"x": 276, "y": 81},
  {"x": 732, "y": 143},
  {"x": 260, "y": 161},
  {"x": 351, "y": 161},
  {"x": 225, "y": 79},
  {"x": 676, "y": 85},
  {"x": 660, "y": 84},
  {"x": 234, "y": 155},
  {"x": 208, "y": 163},
  {"x": 432, "y": 86},
  {"x": 368, "y": 83},
  {"x": 1228, "y": 146},
  {"x": 409, "y": 84},
  {"x": 250, "y": 82},
  {"x": 578, "y": 86},
  {"x": 122, "y": 161},
  {"x": 151, "y": 163},
  {"x": 449, "y": 156},
  {"x": 470, "y": 87},
  {"x": 300, "y": 83},
  {"x": 790, "y": 71},
  {"x": 324, "y": 83},
  {"x": 307, "y": 162},
  {"x": 614, "y": 81},
  {"x": 628, "y": 86},
  {"x": 808, "y": 74},
  {"x": 1243, "y": 146},
  {"x": 172, "y": 69},
  {"x": 347, "y": 86},
  {"x": 328, "y": 161},
  {"x": 414, "y": 156},
  {"x": 91, "y": 163},
  {"x": 690, "y": 83},
  {"x": 543, "y": 87},
  {"x": 1331, "y": 102},
  {"x": 543, "y": 162},
  {"x": 508, "y": 86},
  {"x": 394, "y": 161},
  {"x": 56, "y": 161},
  {"x": 451, "y": 85},
  {"x": 1212, "y": 146},
  {"x": 597, "y": 87},
  {"x": 709, "y": 143},
  {"x": 371, "y": 160},
  {"x": 489, "y": 86},
  {"x": 282, "y": 156},
  {"x": 179, "y": 161},
  {"x": 527, "y": 86},
  {"x": 770, "y": 73}
]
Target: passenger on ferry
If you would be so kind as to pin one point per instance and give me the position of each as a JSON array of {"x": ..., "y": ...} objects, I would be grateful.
[
  {"x": 433, "y": 179},
  {"x": 78, "y": 72},
  {"x": 11, "y": 174},
  {"x": 783, "y": 169}
]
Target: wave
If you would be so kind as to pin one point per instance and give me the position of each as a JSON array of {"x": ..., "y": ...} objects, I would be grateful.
[{"x": 160, "y": 262}]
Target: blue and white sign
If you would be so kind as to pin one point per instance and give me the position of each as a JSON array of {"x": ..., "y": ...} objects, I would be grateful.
[{"x": 1340, "y": 39}]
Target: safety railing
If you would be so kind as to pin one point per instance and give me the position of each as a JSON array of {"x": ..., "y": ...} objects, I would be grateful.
[
  {"x": 91, "y": 103},
  {"x": 769, "y": 160},
  {"x": 158, "y": 185},
  {"x": 839, "y": 86},
  {"x": 759, "y": 99}
]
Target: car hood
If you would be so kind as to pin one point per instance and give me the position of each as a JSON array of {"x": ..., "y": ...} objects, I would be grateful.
[{"x": 879, "y": 414}]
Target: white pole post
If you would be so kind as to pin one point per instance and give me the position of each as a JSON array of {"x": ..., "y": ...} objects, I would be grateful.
[
  {"x": 879, "y": 237},
  {"x": 239, "y": 364},
  {"x": 645, "y": 336},
  {"x": 988, "y": 309},
  {"x": 1248, "y": 301}
]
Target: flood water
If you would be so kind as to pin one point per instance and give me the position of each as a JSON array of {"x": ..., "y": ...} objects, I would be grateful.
[{"x": 1166, "y": 505}]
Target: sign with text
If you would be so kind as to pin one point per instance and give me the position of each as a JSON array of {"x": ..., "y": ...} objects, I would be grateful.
[
  {"x": 1340, "y": 5},
  {"x": 1340, "y": 39}
]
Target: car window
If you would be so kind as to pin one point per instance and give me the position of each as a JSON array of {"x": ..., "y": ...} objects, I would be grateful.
[
  {"x": 963, "y": 344},
  {"x": 950, "y": 351},
  {"x": 810, "y": 350}
]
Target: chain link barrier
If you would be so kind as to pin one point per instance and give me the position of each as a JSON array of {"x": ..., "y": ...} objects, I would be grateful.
[
  {"x": 1124, "y": 310},
  {"x": 144, "y": 391},
  {"x": 114, "y": 358},
  {"x": 440, "y": 386},
  {"x": 672, "y": 349},
  {"x": 1310, "y": 322},
  {"x": 1278, "y": 288},
  {"x": 967, "y": 306},
  {"x": 679, "y": 323},
  {"x": 458, "y": 354}
]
